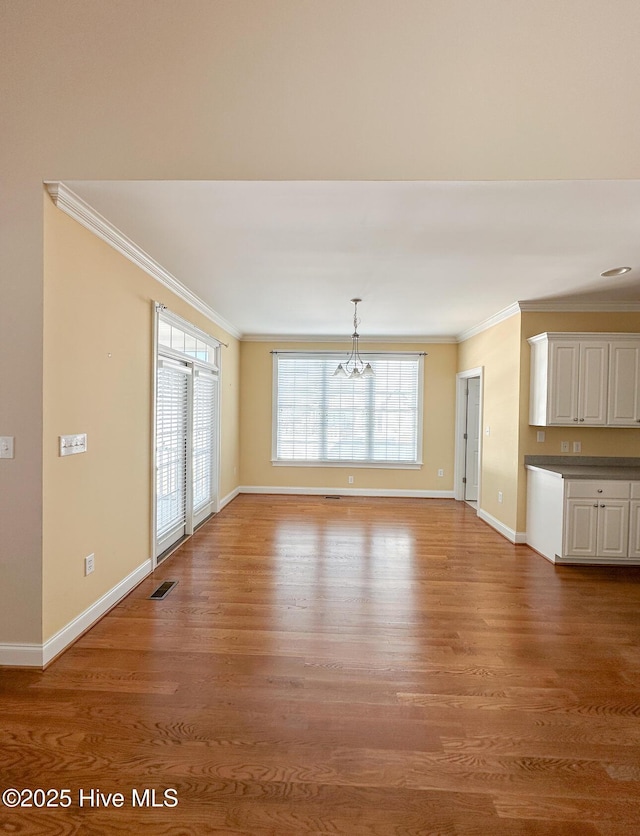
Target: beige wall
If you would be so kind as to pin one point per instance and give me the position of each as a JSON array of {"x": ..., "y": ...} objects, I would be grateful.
[
  {"x": 248, "y": 89},
  {"x": 97, "y": 379},
  {"x": 497, "y": 351},
  {"x": 438, "y": 431}
]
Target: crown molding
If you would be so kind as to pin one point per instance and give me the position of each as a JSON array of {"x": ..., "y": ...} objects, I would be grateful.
[
  {"x": 505, "y": 313},
  {"x": 547, "y": 307},
  {"x": 586, "y": 307},
  {"x": 69, "y": 202},
  {"x": 342, "y": 340}
]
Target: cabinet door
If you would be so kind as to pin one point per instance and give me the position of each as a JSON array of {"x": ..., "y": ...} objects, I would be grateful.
[
  {"x": 581, "y": 528},
  {"x": 564, "y": 362},
  {"x": 613, "y": 529},
  {"x": 624, "y": 384},
  {"x": 592, "y": 383},
  {"x": 634, "y": 528}
]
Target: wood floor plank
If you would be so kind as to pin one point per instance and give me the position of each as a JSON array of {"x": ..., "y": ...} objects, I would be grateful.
[{"x": 363, "y": 667}]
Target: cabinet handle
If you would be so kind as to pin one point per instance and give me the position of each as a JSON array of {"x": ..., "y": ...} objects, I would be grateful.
[
  {"x": 602, "y": 506},
  {"x": 599, "y": 490},
  {"x": 582, "y": 419},
  {"x": 575, "y": 419},
  {"x": 595, "y": 504}
]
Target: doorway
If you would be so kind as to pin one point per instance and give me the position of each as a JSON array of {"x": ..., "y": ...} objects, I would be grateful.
[
  {"x": 186, "y": 431},
  {"x": 468, "y": 436}
]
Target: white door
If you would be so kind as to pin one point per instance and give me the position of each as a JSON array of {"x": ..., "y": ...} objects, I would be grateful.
[
  {"x": 472, "y": 440},
  {"x": 172, "y": 422}
]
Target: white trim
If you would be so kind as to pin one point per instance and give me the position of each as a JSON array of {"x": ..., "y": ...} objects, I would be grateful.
[
  {"x": 588, "y": 561},
  {"x": 345, "y": 492},
  {"x": 187, "y": 326},
  {"x": 228, "y": 498},
  {"x": 342, "y": 341},
  {"x": 461, "y": 420},
  {"x": 609, "y": 336},
  {"x": 546, "y": 307},
  {"x": 62, "y": 639},
  {"x": 69, "y": 202},
  {"x": 515, "y": 537},
  {"x": 21, "y": 655},
  {"x": 505, "y": 313},
  {"x": 39, "y": 655},
  {"x": 565, "y": 307},
  {"x": 154, "y": 430}
]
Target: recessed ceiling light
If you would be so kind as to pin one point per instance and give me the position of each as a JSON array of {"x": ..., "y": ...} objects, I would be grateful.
[{"x": 615, "y": 271}]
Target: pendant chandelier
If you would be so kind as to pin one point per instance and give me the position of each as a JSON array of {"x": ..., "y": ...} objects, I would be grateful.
[{"x": 354, "y": 366}]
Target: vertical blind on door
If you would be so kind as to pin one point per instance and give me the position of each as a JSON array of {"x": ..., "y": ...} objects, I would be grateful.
[{"x": 321, "y": 418}]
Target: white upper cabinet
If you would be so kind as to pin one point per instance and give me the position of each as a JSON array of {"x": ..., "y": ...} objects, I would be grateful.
[
  {"x": 568, "y": 380},
  {"x": 624, "y": 383},
  {"x": 585, "y": 379}
]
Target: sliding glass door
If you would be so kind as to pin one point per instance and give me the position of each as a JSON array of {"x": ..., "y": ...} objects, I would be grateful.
[
  {"x": 186, "y": 431},
  {"x": 172, "y": 440}
]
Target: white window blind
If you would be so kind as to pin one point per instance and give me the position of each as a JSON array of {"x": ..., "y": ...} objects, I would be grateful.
[
  {"x": 204, "y": 424},
  {"x": 171, "y": 450},
  {"x": 321, "y": 418}
]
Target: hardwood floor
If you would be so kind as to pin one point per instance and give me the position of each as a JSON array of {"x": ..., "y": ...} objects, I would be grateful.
[{"x": 353, "y": 666}]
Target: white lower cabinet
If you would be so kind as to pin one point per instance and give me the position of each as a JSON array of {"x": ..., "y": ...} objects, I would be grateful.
[
  {"x": 597, "y": 519},
  {"x": 583, "y": 520},
  {"x": 597, "y": 529}
]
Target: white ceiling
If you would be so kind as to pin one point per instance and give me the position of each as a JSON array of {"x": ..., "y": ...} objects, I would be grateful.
[{"x": 428, "y": 259}]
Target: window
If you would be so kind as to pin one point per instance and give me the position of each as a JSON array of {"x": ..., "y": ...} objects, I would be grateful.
[{"x": 326, "y": 419}]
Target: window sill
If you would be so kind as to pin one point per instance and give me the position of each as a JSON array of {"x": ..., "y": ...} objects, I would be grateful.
[{"x": 349, "y": 464}]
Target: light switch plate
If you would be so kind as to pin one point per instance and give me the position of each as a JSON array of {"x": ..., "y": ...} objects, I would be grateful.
[
  {"x": 6, "y": 446},
  {"x": 72, "y": 444}
]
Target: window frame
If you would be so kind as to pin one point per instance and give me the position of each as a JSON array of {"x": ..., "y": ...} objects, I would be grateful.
[{"x": 350, "y": 463}]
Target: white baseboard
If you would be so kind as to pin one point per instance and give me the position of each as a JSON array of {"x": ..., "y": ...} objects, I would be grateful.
[
  {"x": 511, "y": 535},
  {"x": 346, "y": 492},
  {"x": 227, "y": 499},
  {"x": 21, "y": 655},
  {"x": 38, "y": 655},
  {"x": 56, "y": 644}
]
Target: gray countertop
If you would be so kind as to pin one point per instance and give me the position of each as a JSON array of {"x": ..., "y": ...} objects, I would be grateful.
[{"x": 588, "y": 467}]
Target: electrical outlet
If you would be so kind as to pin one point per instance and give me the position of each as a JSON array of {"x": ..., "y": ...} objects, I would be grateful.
[
  {"x": 89, "y": 562},
  {"x": 564, "y": 446},
  {"x": 577, "y": 446},
  {"x": 499, "y": 496},
  {"x": 441, "y": 472},
  {"x": 540, "y": 435},
  {"x": 350, "y": 480}
]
